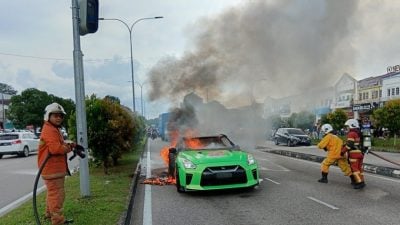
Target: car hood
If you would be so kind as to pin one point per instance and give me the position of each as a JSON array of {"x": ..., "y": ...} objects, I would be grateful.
[{"x": 213, "y": 156}]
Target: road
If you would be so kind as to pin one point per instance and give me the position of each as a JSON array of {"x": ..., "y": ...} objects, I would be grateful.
[
  {"x": 17, "y": 176},
  {"x": 288, "y": 194}
]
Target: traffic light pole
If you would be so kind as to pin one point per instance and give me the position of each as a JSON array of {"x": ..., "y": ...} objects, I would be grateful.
[{"x": 81, "y": 124}]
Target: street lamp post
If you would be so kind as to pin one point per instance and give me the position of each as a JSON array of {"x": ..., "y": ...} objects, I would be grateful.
[
  {"x": 130, "y": 42},
  {"x": 141, "y": 95}
]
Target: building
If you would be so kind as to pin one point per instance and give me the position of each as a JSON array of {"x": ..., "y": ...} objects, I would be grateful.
[
  {"x": 344, "y": 91},
  {"x": 391, "y": 87}
]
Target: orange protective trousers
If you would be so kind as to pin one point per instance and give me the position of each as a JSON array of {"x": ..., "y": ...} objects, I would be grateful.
[
  {"x": 55, "y": 200},
  {"x": 356, "y": 159}
]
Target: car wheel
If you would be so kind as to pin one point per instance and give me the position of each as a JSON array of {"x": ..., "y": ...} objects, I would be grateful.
[
  {"x": 25, "y": 152},
  {"x": 289, "y": 143},
  {"x": 1, "y": 156},
  {"x": 179, "y": 187},
  {"x": 276, "y": 142},
  {"x": 171, "y": 164}
]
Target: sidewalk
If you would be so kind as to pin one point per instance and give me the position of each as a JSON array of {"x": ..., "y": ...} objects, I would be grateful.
[{"x": 372, "y": 164}]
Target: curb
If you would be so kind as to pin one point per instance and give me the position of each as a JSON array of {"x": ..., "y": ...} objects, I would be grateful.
[
  {"x": 380, "y": 170},
  {"x": 126, "y": 216}
]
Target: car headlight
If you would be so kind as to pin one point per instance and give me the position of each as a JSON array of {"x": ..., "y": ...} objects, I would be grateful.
[
  {"x": 188, "y": 164},
  {"x": 294, "y": 138},
  {"x": 250, "y": 159}
]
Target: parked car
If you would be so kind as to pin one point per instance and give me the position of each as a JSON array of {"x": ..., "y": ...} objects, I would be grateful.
[
  {"x": 291, "y": 137},
  {"x": 18, "y": 143},
  {"x": 211, "y": 163}
]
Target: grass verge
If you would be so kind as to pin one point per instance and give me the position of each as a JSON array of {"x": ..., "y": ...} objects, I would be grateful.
[{"x": 108, "y": 200}]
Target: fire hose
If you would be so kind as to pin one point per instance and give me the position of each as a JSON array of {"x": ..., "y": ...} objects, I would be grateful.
[
  {"x": 77, "y": 151},
  {"x": 381, "y": 157}
]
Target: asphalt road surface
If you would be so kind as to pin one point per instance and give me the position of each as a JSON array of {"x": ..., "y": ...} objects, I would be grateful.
[
  {"x": 288, "y": 194},
  {"x": 17, "y": 176}
]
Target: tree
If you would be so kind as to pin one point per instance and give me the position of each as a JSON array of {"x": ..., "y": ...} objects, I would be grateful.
[
  {"x": 28, "y": 108},
  {"x": 336, "y": 119},
  {"x": 7, "y": 89},
  {"x": 303, "y": 120},
  {"x": 112, "y": 99},
  {"x": 389, "y": 116},
  {"x": 111, "y": 130}
]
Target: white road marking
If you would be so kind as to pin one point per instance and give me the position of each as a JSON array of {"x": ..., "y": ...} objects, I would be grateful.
[
  {"x": 264, "y": 168},
  {"x": 337, "y": 168},
  {"x": 381, "y": 177},
  {"x": 271, "y": 180},
  {"x": 147, "y": 213},
  {"x": 268, "y": 169},
  {"x": 323, "y": 203}
]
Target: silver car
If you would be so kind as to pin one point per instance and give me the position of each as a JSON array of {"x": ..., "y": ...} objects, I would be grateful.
[{"x": 18, "y": 143}]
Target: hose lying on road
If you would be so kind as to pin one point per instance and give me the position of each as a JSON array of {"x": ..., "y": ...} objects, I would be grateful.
[{"x": 381, "y": 157}]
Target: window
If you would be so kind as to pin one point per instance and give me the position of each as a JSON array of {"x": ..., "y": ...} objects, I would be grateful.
[
  {"x": 397, "y": 91},
  {"x": 380, "y": 93},
  {"x": 366, "y": 95},
  {"x": 388, "y": 92},
  {"x": 392, "y": 91},
  {"x": 360, "y": 96}
]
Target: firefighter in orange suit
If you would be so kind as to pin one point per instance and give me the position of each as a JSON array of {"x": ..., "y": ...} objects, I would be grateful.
[
  {"x": 333, "y": 145},
  {"x": 56, "y": 168},
  {"x": 355, "y": 155}
]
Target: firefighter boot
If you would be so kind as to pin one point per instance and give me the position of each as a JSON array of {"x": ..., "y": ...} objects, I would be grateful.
[
  {"x": 324, "y": 178},
  {"x": 353, "y": 180},
  {"x": 359, "y": 185}
]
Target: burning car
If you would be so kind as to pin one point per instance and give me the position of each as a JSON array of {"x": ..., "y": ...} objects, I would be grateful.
[{"x": 211, "y": 163}]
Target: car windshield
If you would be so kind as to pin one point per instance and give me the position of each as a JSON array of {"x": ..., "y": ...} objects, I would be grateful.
[
  {"x": 5, "y": 137},
  {"x": 216, "y": 142},
  {"x": 296, "y": 131}
]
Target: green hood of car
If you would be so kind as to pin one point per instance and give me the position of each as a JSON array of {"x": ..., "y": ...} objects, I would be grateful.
[{"x": 213, "y": 156}]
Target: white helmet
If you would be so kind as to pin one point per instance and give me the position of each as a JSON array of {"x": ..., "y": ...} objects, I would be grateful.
[
  {"x": 326, "y": 128},
  {"x": 53, "y": 108},
  {"x": 352, "y": 123}
]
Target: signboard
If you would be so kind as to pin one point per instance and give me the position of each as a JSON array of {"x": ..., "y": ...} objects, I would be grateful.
[
  {"x": 364, "y": 107},
  {"x": 392, "y": 69}
]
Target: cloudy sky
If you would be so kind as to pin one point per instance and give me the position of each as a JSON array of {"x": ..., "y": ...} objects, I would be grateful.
[{"x": 222, "y": 49}]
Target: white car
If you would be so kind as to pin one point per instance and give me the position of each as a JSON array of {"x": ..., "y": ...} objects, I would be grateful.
[{"x": 18, "y": 143}]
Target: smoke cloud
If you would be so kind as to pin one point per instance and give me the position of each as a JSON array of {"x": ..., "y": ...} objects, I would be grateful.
[
  {"x": 287, "y": 46},
  {"x": 260, "y": 48}
]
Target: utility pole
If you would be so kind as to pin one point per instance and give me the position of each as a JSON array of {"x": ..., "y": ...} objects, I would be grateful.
[{"x": 81, "y": 124}]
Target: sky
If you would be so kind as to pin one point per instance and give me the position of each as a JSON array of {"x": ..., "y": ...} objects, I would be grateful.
[{"x": 225, "y": 50}]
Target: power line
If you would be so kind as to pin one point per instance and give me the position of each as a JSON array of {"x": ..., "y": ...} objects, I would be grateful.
[{"x": 56, "y": 59}]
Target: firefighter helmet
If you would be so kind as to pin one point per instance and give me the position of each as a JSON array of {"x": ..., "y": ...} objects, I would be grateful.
[
  {"x": 326, "y": 128},
  {"x": 53, "y": 108},
  {"x": 352, "y": 123}
]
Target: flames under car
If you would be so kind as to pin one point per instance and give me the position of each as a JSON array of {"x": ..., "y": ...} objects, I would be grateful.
[{"x": 211, "y": 163}]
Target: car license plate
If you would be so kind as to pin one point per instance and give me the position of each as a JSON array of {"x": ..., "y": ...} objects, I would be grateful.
[
  {"x": 5, "y": 144},
  {"x": 224, "y": 175}
]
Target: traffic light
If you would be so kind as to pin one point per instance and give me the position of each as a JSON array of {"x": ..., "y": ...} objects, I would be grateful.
[{"x": 89, "y": 16}]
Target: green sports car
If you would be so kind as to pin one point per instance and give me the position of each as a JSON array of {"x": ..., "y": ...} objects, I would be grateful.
[{"x": 211, "y": 163}]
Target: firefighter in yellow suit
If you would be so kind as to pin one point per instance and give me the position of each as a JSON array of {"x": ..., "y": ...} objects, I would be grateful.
[{"x": 332, "y": 144}]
